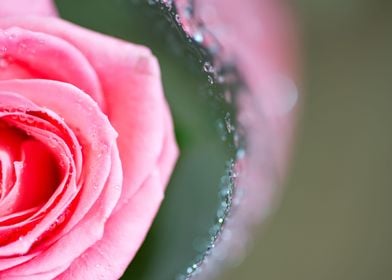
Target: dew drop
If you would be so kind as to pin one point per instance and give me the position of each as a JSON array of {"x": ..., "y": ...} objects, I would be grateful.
[
  {"x": 177, "y": 18},
  {"x": 23, "y": 46},
  {"x": 220, "y": 212},
  {"x": 3, "y": 62},
  {"x": 198, "y": 37},
  {"x": 12, "y": 36},
  {"x": 221, "y": 80},
  {"x": 61, "y": 219},
  {"x": 30, "y": 121},
  {"x": 229, "y": 125},
  {"x": 228, "y": 96},
  {"x": 168, "y": 4},
  {"x": 208, "y": 68},
  {"x": 240, "y": 154},
  {"x": 214, "y": 230}
]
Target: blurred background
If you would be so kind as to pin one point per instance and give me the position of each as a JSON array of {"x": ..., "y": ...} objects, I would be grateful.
[{"x": 333, "y": 219}]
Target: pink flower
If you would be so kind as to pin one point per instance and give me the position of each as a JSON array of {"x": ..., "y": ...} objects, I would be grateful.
[{"x": 86, "y": 147}]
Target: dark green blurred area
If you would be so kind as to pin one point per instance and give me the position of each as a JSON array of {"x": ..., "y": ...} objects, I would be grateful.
[{"x": 334, "y": 217}]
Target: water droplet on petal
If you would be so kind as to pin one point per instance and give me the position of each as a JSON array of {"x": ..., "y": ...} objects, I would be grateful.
[{"x": 3, "y": 62}]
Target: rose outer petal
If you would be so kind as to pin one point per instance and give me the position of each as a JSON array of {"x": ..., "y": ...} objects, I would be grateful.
[
  {"x": 34, "y": 55},
  {"x": 124, "y": 232},
  {"x": 169, "y": 152},
  {"x": 27, "y": 7},
  {"x": 128, "y": 224}
]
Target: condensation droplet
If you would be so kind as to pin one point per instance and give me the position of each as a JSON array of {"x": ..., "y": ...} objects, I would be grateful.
[
  {"x": 227, "y": 96},
  {"x": 198, "y": 37},
  {"x": 23, "y": 46},
  {"x": 177, "y": 18},
  {"x": 208, "y": 68},
  {"x": 3, "y": 62},
  {"x": 229, "y": 125}
]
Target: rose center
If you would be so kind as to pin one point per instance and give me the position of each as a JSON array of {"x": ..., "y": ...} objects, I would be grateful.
[{"x": 28, "y": 171}]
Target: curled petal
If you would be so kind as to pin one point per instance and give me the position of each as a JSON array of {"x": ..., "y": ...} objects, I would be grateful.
[{"x": 26, "y": 54}]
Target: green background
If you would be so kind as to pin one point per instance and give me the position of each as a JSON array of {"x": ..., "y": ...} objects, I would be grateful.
[{"x": 334, "y": 216}]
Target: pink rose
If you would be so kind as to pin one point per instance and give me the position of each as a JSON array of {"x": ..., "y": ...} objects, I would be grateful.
[{"x": 86, "y": 147}]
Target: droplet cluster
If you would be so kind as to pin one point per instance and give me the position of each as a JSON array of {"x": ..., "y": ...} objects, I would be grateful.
[{"x": 222, "y": 82}]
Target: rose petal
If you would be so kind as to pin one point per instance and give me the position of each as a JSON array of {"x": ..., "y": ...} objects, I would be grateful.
[
  {"x": 9, "y": 153},
  {"x": 169, "y": 152},
  {"x": 128, "y": 224},
  {"x": 39, "y": 171},
  {"x": 27, "y": 7},
  {"x": 124, "y": 233},
  {"x": 27, "y": 54}
]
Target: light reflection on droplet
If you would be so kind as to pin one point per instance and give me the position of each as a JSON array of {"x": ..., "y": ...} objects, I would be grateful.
[{"x": 198, "y": 36}]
